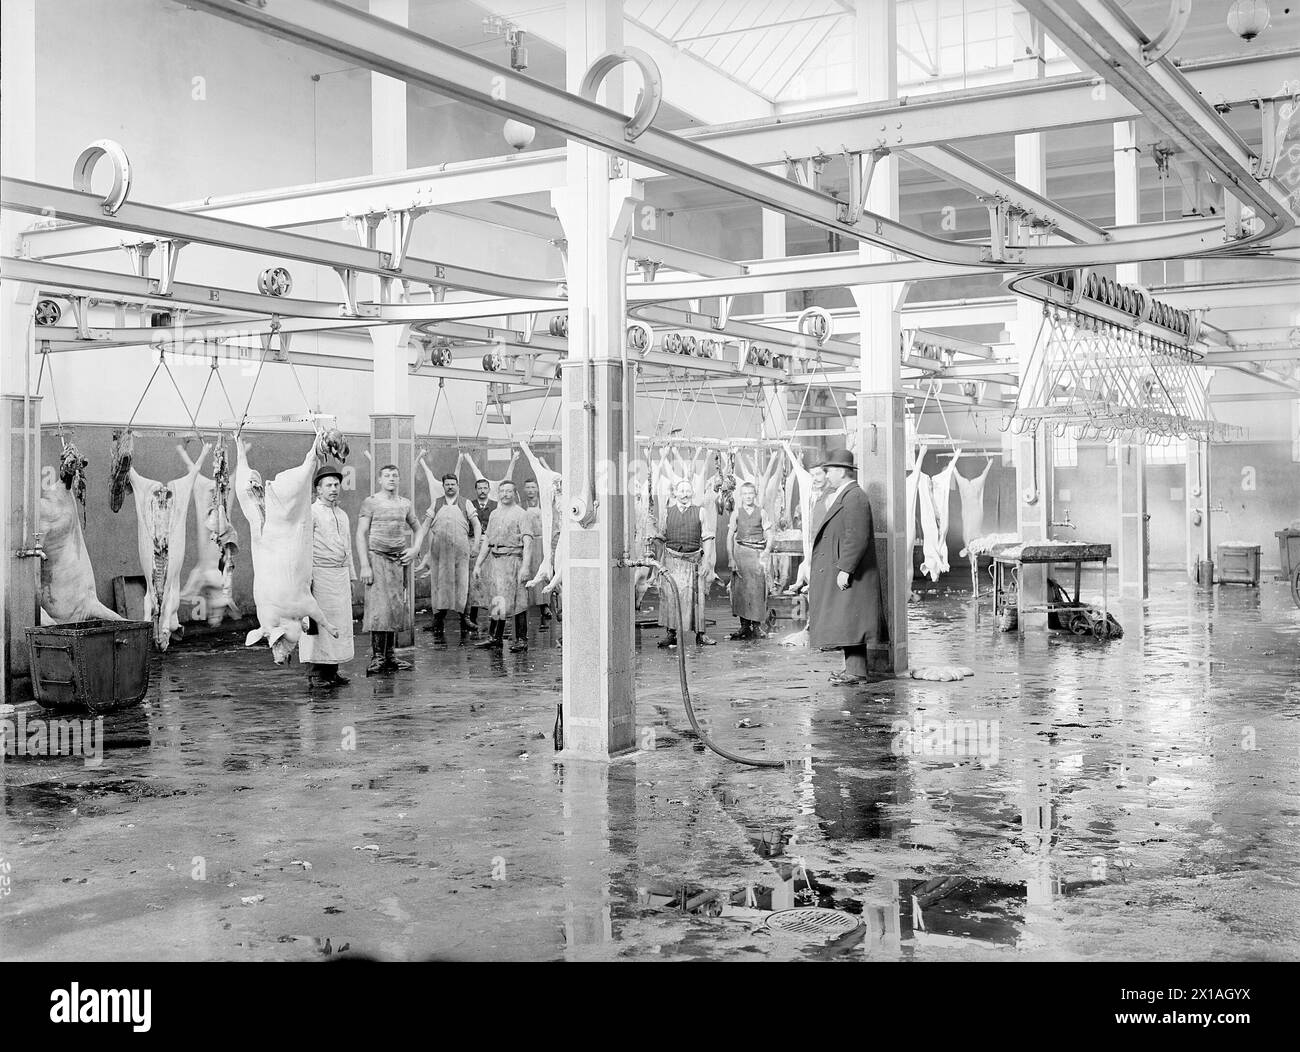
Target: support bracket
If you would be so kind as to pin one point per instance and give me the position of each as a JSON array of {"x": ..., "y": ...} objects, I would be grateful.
[
  {"x": 169, "y": 256},
  {"x": 401, "y": 223},
  {"x": 1275, "y": 122},
  {"x": 862, "y": 169}
]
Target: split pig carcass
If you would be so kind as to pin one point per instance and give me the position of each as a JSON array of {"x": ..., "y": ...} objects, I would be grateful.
[
  {"x": 67, "y": 578},
  {"x": 210, "y": 586},
  {"x": 280, "y": 538},
  {"x": 161, "y": 511}
]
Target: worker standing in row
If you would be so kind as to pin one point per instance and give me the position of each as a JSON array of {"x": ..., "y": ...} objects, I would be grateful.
[
  {"x": 455, "y": 529},
  {"x": 385, "y": 530}
]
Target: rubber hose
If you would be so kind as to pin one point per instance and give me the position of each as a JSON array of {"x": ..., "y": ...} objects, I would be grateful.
[{"x": 686, "y": 695}]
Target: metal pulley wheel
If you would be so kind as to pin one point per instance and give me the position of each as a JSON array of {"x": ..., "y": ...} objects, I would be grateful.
[
  {"x": 777, "y": 361},
  {"x": 494, "y": 362},
  {"x": 673, "y": 343},
  {"x": 275, "y": 281},
  {"x": 441, "y": 356},
  {"x": 690, "y": 345},
  {"x": 759, "y": 355},
  {"x": 559, "y": 325},
  {"x": 640, "y": 337},
  {"x": 48, "y": 312},
  {"x": 710, "y": 348},
  {"x": 817, "y": 323}
]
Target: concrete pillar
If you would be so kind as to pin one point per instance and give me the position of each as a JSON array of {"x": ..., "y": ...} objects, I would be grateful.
[
  {"x": 1033, "y": 452},
  {"x": 392, "y": 427},
  {"x": 881, "y": 443},
  {"x": 1199, "y": 516},
  {"x": 774, "y": 248},
  {"x": 597, "y": 214},
  {"x": 1130, "y": 457},
  {"x": 19, "y": 425},
  {"x": 1131, "y": 477},
  {"x": 388, "y": 102}
]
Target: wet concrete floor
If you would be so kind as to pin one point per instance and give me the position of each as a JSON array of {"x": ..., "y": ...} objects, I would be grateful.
[{"x": 1135, "y": 799}]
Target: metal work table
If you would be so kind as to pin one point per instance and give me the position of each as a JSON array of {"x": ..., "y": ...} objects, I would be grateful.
[{"x": 1007, "y": 559}]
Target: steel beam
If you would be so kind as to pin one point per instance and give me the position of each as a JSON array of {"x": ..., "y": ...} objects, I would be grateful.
[
  {"x": 1075, "y": 100},
  {"x": 1100, "y": 35},
  {"x": 956, "y": 168},
  {"x": 1256, "y": 396},
  {"x": 341, "y": 31},
  {"x": 39, "y": 198}
]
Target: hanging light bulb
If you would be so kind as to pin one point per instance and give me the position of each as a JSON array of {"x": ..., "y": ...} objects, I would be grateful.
[
  {"x": 518, "y": 134},
  {"x": 1248, "y": 18}
]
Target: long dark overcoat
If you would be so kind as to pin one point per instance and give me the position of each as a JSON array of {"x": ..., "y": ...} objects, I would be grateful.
[{"x": 844, "y": 539}]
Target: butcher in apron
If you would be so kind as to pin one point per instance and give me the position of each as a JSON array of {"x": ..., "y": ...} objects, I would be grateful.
[
  {"x": 454, "y": 528},
  {"x": 503, "y": 567},
  {"x": 332, "y": 574},
  {"x": 483, "y": 507},
  {"x": 684, "y": 542},
  {"x": 533, "y": 509},
  {"x": 385, "y": 531},
  {"x": 749, "y": 544}
]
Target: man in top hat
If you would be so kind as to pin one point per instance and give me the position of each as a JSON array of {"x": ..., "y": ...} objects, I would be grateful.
[
  {"x": 332, "y": 574},
  {"x": 845, "y": 603}
]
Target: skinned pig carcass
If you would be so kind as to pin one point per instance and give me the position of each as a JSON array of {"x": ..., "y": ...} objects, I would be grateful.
[
  {"x": 161, "y": 510},
  {"x": 210, "y": 585},
  {"x": 280, "y": 538},
  {"x": 67, "y": 578}
]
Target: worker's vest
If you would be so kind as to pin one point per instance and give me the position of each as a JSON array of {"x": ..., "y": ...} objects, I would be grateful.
[
  {"x": 749, "y": 528},
  {"x": 682, "y": 530}
]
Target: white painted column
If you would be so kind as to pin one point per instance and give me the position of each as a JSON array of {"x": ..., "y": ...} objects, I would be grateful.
[
  {"x": 1130, "y": 457},
  {"x": 20, "y": 421},
  {"x": 388, "y": 102},
  {"x": 392, "y": 423},
  {"x": 774, "y": 248},
  {"x": 881, "y": 442},
  {"x": 1034, "y": 483},
  {"x": 1196, "y": 493},
  {"x": 597, "y": 213}
]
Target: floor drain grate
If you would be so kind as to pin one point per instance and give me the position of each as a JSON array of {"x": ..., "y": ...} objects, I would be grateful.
[{"x": 811, "y": 922}]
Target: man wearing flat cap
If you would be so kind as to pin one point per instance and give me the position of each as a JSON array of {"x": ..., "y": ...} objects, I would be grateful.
[
  {"x": 845, "y": 602},
  {"x": 332, "y": 574}
]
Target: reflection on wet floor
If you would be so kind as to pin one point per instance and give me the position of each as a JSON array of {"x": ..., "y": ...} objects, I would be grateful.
[{"x": 1132, "y": 799}]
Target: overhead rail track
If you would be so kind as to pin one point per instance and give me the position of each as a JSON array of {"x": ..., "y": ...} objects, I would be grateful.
[{"x": 374, "y": 43}]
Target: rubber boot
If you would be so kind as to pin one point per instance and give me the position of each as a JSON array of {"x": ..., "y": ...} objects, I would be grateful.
[
  {"x": 466, "y": 629},
  {"x": 391, "y": 661},
  {"x": 521, "y": 632},
  {"x": 496, "y": 629},
  {"x": 746, "y": 630},
  {"x": 439, "y": 627},
  {"x": 546, "y": 614},
  {"x": 376, "y": 653},
  {"x": 669, "y": 639},
  {"x": 336, "y": 678}
]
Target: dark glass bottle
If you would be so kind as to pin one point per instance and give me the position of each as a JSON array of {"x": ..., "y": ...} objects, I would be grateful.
[{"x": 559, "y": 726}]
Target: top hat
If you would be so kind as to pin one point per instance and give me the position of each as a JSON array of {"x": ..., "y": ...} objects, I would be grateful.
[
  {"x": 327, "y": 471},
  {"x": 839, "y": 458}
]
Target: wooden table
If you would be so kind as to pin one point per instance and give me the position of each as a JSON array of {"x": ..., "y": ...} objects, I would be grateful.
[{"x": 1009, "y": 559}]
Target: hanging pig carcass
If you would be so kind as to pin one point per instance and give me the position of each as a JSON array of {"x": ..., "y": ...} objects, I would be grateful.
[
  {"x": 210, "y": 586},
  {"x": 67, "y": 579},
  {"x": 280, "y": 537},
  {"x": 161, "y": 511}
]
